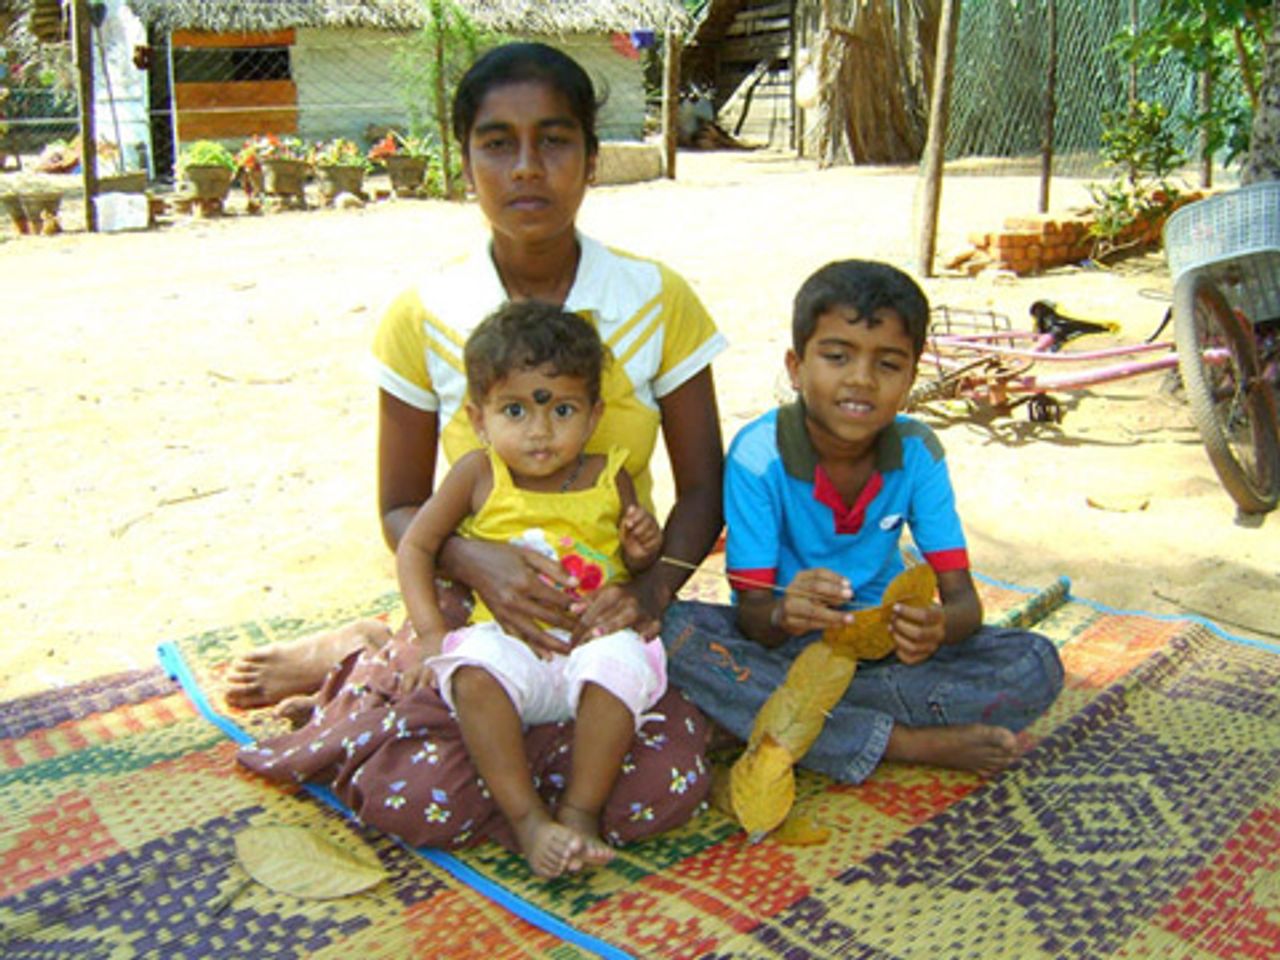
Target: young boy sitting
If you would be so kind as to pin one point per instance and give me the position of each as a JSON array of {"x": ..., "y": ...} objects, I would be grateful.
[{"x": 817, "y": 494}]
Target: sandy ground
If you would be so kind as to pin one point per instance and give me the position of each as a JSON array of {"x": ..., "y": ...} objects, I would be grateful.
[{"x": 188, "y": 421}]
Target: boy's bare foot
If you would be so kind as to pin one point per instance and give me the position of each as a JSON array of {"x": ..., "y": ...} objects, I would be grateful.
[
  {"x": 548, "y": 847},
  {"x": 975, "y": 747},
  {"x": 296, "y": 709},
  {"x": 266, "y": 675},
  {"x": 595, "y": 852}
]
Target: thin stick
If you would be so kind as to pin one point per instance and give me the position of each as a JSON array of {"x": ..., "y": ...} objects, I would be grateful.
[{"x": 744, "y": 581}]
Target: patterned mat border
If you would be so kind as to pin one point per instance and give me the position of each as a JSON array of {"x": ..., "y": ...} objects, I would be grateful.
[{"x": 1065, "y": 582}]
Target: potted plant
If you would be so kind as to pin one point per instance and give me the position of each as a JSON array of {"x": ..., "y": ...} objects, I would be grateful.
[
  {"x": 208, "y": 166},
  {"x": 278, "y": 166},
  {"x": 32, "y": 204},
  {"x": 341, "y": 165},
  {"x": 405, "y": 159}
]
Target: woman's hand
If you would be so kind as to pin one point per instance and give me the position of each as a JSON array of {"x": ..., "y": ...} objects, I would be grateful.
[
  {"x": 519, "y": 586},
  {"x": 917, "y": 632},
  {"x": 412, "y": 660},
  {"x": 610, "y": 609}
]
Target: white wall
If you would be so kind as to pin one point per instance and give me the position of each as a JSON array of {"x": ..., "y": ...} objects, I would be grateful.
[{"x": 346, "y": 81}]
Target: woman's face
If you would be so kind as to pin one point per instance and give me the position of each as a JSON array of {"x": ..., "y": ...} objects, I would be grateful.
[{"x": 527, "y": 162}]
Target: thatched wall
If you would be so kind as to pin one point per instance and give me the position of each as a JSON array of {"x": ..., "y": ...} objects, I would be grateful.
[{"x": 509, "y": 16}]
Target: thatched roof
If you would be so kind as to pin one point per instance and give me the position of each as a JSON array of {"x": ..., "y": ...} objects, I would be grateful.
[{"x": 547, "y": 17}]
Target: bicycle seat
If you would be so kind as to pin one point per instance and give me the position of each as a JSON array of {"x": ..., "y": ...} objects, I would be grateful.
[{"x": 1064, "y": 328}]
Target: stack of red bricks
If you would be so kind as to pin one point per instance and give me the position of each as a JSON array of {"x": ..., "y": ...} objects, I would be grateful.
[{"x": 1034, "y": 243}]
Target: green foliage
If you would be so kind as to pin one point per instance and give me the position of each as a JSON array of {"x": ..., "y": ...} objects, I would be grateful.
[
  {"x": 339, "y": 152},
  {"x": 1220, "y": 38},
  {"x": 1139, "y": 145},
  {"x": 428, "y": 66},
  {"x": 435, "y": 183},
  {"x": 396, "y": 144},
  {"x": 432, "y": 61},
  {"x": 206, "y": 153}
]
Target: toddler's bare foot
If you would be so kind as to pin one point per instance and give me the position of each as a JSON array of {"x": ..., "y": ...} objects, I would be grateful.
[
  {"x": 595, "y": 852},
  {"x": 297, "y": 709},
  {"x": 548, "y": 847},
  {"x": 976, "y": 747},
  {"x": 267, "y": 675}
]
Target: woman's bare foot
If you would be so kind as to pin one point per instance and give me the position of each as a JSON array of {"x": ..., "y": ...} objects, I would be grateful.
[
  {"x": 595, "y": 852},
  {"x": 267, "y": 675},
  {"x": 548, "y": 847},
  {"x": 975, "y": 747}
]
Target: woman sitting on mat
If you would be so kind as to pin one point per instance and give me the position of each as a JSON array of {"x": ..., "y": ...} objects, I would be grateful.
[{"x": 525, "y": 116}]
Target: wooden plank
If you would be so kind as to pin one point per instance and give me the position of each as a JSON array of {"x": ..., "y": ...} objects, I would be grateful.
[
  {"x": 236, "y": 124},
  {"x": 201, "y": 39},
  {"x": 244, "y": 93},
  {"x": 753, "y": 49},
  {"x": 219, "y": 111},
  {"x": 741, "y": 28},
  {"x": 766, "y": 10}
]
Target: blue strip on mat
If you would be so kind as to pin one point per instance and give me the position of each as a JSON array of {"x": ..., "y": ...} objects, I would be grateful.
[
  {"x": 1165, "y": 617},
  {"x": 172, "y": 661}
]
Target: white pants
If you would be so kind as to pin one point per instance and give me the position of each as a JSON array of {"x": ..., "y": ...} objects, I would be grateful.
[{"x": 546, "y": 691}]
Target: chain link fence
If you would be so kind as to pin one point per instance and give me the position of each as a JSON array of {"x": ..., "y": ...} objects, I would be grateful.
[{"x": 1001, "y": 81}]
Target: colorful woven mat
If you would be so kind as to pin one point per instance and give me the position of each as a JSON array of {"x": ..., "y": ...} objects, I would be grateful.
[
  {"x": 1144, "y": 822},
  {"x": 121, "y": 805}
]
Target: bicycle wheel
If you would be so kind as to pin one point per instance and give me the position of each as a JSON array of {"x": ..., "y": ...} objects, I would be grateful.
[{"x": 1230, "y": 402}]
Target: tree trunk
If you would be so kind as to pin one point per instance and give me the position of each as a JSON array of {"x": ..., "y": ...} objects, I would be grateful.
[{"x": 1264, "y": 142}]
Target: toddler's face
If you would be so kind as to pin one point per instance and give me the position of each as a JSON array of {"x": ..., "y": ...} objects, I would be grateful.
[
  {"x": 854, "y": 377},
  {"x": 538, "y": 423}
]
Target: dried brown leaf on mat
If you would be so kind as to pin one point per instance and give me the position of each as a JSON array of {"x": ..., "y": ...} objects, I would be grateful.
[
  {"x": 795, "y": 713},
  {"x": 800, "y": 831},
  {"x": 306, "y": 864},
  {"x": 762, "y": 787}
]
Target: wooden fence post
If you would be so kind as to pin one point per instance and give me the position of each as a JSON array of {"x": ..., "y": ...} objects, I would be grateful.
[
  {"x": 88, "y": 126},
  {"x": 671, "y": 101},
  {"x": 1050, "y": 104},
  {"x": 935, "y": 147}
]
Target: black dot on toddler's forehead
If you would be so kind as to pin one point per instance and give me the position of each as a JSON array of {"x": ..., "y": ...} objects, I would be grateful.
[{"x": 541, "y": 396}]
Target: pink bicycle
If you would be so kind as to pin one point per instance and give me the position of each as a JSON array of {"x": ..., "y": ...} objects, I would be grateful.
[
  {"x": 977, "y": 356},
  {"x": 1224, "y": 254}
]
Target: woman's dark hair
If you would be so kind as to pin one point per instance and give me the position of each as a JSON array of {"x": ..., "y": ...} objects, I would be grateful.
[
  {"x": 529, "y": 334},
  {"x": 866, "y": 287},
  {"x": 526, "y": 63}
]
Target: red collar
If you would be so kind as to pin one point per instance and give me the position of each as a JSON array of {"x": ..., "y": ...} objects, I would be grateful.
[{"x": 848, "y": 519}]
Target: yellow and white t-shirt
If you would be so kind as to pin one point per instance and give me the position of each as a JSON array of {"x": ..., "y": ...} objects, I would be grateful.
[{"x": 658, "y": 331}]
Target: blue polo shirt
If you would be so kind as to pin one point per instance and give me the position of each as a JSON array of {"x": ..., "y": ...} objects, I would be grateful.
[{"x": 784, "y": 514}]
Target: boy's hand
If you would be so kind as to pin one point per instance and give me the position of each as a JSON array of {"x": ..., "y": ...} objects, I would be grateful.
[
  {"x": 917, "y": 632},
  {"x": 812, "y": 602},
  {"x": 640, "y": 537}
]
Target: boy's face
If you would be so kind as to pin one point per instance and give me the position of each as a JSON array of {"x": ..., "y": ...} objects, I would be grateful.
[
  {"x": 854, "y": 378},
  {"x": 538, "y": 424}
]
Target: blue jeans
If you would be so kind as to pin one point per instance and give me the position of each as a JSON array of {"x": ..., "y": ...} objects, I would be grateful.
[{"x": 1003, "y": 677}]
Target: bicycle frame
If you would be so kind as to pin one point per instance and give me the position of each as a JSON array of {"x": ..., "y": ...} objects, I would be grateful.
[{"x": 992, "y": 366}]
